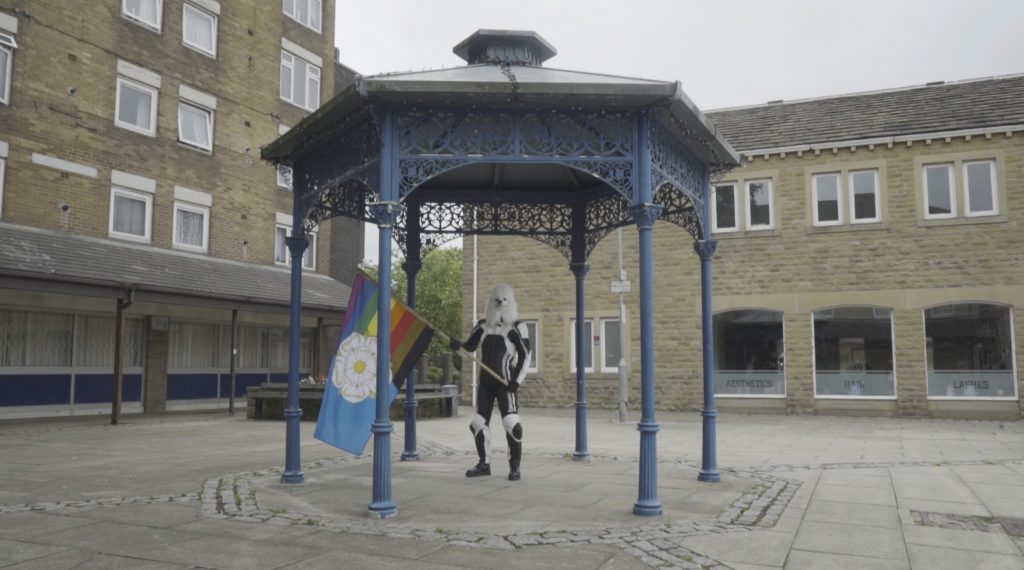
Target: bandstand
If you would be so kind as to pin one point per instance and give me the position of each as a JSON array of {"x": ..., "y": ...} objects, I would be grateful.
[{"x": 506, "y": 146}]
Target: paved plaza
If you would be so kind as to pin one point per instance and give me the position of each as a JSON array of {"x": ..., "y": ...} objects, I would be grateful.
[{"x": 203, "y": 490}]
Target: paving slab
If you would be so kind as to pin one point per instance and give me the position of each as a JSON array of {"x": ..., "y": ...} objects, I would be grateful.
[
  {"x": 850, "y": 539},
  {"x": 77, "y": 559},
  {"x": 850, "y": 513},
  {"x": 935, "y": 558},
  {"x": 807, "y": 560},
  {"x": 998, "y": 543},
  {"x": 758, "y": 547},
  {"x": 858, "y": 495}
]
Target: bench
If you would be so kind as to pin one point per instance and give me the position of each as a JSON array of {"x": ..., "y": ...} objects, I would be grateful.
[{"x": 267, "y": 401}]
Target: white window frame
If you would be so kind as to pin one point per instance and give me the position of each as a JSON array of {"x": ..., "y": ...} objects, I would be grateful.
[
  {"x": 155, "y": 26},
  {"x": 7, "y": 45},
  {"x": 144, "y": 197},
  {"x": 604, "y": 347},
  {"x": 287, "y": 254},
  {"x": 186, "y": 6},
  {"x": 209, "y": 126},
  {"x": 952, "y": 191},
  {"x": 572, "y": 345},
  {"x": 3, "y": 174},
  {"x": 282, "y": 181},
  {"x": 735, "y": 209},
  {"x": 771, "y": 204},
  {"x": 308, "y": 104},
  {"x": 534, "y": 348},
  {"x": 852, "y": 197},
  {"x": 992, "y": 184},
  {"x": 310, "y": 253},
  {"x": 154, "y": 93},
  {"x": 192, "y": 208},
  {"x": 309, "y": 11},
  {"x": 839, "y": 200}
]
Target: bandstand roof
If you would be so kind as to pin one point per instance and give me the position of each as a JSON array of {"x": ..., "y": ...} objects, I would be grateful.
[{"x": 459, "y": 120}]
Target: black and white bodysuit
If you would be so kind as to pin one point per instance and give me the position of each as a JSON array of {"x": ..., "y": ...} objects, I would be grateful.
[{"x": 505, "y": 349}]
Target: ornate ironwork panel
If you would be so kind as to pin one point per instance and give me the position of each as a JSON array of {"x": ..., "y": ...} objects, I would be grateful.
[
  {"x": 456, "y": 133},
  {"x": 604, "y": 216},
  {"x": 678, "y": 209},
  {"x": 672, "y": 164}
]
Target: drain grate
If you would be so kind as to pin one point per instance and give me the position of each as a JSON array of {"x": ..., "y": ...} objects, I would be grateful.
[{"x": 1011, "y": 526}]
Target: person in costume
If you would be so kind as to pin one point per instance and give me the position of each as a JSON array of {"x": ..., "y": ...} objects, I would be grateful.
[{"x": 505, "y": 349}]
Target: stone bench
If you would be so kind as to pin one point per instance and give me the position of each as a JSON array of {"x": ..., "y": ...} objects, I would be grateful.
[{"x": 267, "y": 401}]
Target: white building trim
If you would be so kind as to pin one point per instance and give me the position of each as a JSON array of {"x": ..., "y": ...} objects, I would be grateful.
[
  {"x": 132, "y": 181},
  {"x": 65, "y": 165}
]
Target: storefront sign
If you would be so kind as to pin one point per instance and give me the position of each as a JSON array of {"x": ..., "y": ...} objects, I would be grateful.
[
  {"x": 854, "y": 383},
  {"x": 971, "y": 384},
  {"x": 750, "y": 383}
]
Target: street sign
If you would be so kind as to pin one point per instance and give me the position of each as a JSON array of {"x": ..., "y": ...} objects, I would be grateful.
[{"x": 620, "y": 286}]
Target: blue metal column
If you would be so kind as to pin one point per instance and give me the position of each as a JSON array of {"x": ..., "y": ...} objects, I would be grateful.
[
  {"x": 579, "y": 270},
  {"x": 709, "y": 460},
  {"x": 297, "y": 244},
  {"x": 384, "y": 213},
  {"x": 645, "y": 213},
  {"x": 411, "y": 267}
]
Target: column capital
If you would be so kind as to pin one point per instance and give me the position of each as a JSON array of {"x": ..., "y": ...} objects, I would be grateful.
[
  {"x": 579, "y": 269},
  {"x": 645, "y": 214},
  {"x": 385, "y": 214},
  {"x": 705, "y": 249},
  {"x": 297, "y": 244}
]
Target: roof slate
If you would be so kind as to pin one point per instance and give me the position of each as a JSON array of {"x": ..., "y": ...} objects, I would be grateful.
[
  {"x": 929, "y": 108},
  {"x": 31, "y": 252}
]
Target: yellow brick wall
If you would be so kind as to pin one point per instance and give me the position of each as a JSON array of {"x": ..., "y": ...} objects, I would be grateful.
[
  {"x": 900, "y": 264},
  {"x": 62, "y": 49}
]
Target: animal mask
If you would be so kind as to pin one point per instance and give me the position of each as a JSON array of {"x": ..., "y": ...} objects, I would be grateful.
[{"x": 501, "y": 306}]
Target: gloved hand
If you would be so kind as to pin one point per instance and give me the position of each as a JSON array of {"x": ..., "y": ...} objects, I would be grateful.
[
  {"x": 454, "y": 344},
  {"x": 513, "y": 386}
]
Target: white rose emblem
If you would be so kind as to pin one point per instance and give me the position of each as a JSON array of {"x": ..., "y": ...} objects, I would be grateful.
[{"x": 355, "y": 368}]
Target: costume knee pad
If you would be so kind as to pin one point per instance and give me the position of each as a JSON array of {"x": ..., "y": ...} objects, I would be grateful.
[
  {"x": 512, "y": 426},
  {"x": 477, "y": 424}
]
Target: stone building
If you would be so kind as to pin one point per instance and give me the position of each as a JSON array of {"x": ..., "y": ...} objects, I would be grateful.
[
  {"x": 870, "y": 261},
  {"x": 130, "y": 176}
]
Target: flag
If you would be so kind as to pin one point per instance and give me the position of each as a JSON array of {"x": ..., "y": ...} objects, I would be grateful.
[{"x": 350, "y": 395}]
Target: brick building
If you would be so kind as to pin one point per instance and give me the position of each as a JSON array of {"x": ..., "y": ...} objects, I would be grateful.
[
  {"x": 870, "y": 261},
  {"x": 129, "y": 169}
]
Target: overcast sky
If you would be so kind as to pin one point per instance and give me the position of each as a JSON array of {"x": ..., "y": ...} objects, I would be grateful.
[{"x": 726, "y": 53}]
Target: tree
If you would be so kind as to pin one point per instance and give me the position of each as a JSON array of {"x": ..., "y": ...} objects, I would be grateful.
[{"x": 438, "y": 294}]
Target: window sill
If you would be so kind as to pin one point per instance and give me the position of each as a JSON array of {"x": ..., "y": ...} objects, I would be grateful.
[
  {"x": 200, "y": 51},
  {"x": 133, "y": 129},
  {"x": 963, "y": 221},
  {"x": 130, "y": 237},
  {"x": 194, "y": 148},
  {"x": 191, "y": 249},
  {"x": 873, "y": 226},
  {"x": 142, "y": 24},
  {"x": 745, "y": 234},
  {"x": 297, "y": 106}
]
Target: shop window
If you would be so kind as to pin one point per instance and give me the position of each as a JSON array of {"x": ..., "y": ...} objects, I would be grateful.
[
  {"x": 35, "y": 340},
  {"x": 853, "y": 353},
  {"x": 970, "y": 351},
  {"x": 749, "y": 353}
]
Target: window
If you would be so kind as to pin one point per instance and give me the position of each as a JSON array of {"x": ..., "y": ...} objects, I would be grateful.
[
  {"x": 7, "y": 47},
  {"x": 970, "y": 351},
  {"x": 749, "y": 353},
  {"x": 759, "y": 205},
  {"x": 3, "y": 166},
  {"x": 31, "y": 339},
  {"x": 284, "y": 177},
  {"x": 305, "y": 12},
  {"x": 531, "y": 334},
  {"x": 938, "y": 192},
  {"x": 300, "y": 81},
  {"x": 191, "y": 227},
  {"x": 199, "y": 30},
  {"x": 130, "y": 214},
  {"x": 198, "y": 346},
  {"x": 828, "y": 207},
  {"x": 94, "y": 342},
  {"x": 262, "y": 348},
  {"x": 611, "y": 344},
  {"x": 980, "y": 188},
  {"x": 135, "y": 108},
  {"x": 864, "y": 197},
  {"x": 588, "y": 349},
  {"x": 144, "y": 12},
  {"x": 723, "y": 215},
  {"x": 281, "y": 254},
  {"x": 853, "y": 353},
  {"x": 195, "y": 126}
]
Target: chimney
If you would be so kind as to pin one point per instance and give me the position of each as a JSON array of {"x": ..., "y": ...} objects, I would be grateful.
[{"x": 517, "y": 47}]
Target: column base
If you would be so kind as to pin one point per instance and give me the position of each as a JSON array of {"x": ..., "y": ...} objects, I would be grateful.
[
  {"x": 383, "y": 511},
  {"x": 581, "y": 456},
  {"x": 410, "y": 456},
  {"x": 293, "y": 477},
  {"x": 709, "y": 476},
  {"x": 647, "y": 509}
]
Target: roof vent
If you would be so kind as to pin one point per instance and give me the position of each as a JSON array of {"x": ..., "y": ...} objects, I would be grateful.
[{"x": 505, "y": 46}]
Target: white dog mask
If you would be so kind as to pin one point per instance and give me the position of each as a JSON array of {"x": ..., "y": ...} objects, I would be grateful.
[{"x": 501, "y": 306}]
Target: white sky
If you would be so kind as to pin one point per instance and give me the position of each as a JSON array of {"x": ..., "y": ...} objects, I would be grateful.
[{"x": 726, "y": 52}]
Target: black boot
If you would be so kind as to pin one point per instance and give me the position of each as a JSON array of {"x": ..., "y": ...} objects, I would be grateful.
[
  {"x": 513, "y": 470},
  {"x": 515, "y": 452},
  {"x": 479, "y": 469}
]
